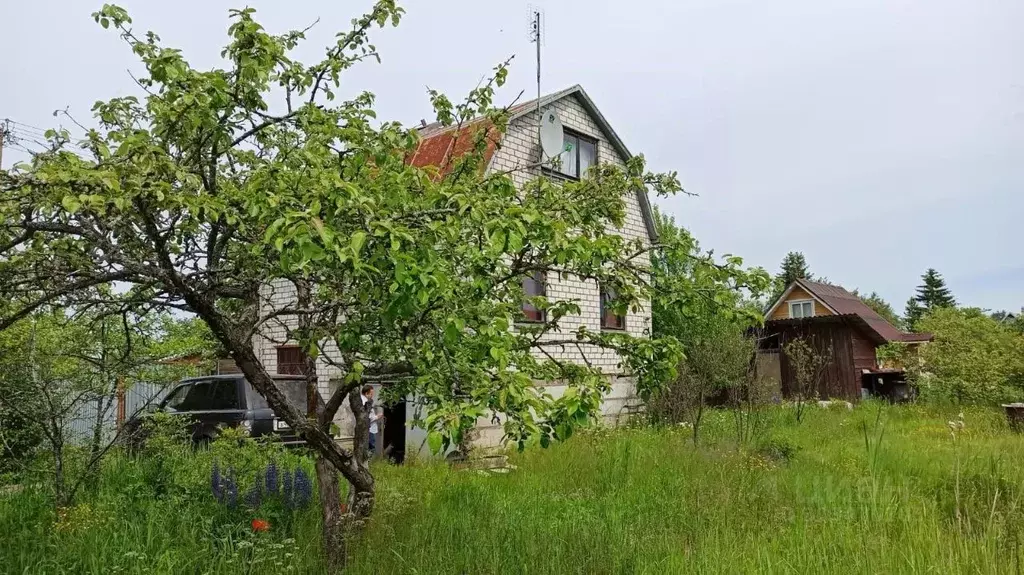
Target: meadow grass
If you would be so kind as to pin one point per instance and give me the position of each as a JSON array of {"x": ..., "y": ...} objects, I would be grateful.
[{"x": 875, "y": 490}]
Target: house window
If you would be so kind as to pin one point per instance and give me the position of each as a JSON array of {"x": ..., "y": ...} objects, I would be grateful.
[
  {"x": 290, "y": 360},
  {"x": 801, "y": 309},
  {"x": 610, "y": 319},
  {"x": 580, "y": 153},
  {"x": 533, "y": 286}
]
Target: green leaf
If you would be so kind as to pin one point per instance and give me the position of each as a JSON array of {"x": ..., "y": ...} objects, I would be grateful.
[
  {"x": 434, "y": 441},
  {"x": 356, "y": 241},
  {"x": 515, "y": 241},
  {"x": 71, "y": 203},
  {"x": 498, "y": 240}
]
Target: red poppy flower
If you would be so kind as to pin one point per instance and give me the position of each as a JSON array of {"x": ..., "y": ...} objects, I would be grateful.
[{"x": 260, "y": 525}]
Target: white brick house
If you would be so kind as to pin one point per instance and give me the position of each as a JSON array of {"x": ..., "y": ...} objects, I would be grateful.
[{"x": 518, "y": 153}]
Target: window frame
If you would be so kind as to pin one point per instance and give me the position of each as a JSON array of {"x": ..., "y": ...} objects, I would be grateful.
[
  {"x": 543, "y": 281},
  {"x": 800, "y": 302},
  {"x": 606, "y": 311},
  {"x": 569, "y": 132},
  {"x": 300, "y": 364}
]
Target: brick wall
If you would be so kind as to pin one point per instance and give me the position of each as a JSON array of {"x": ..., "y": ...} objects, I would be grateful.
[
  {"x": 274, "y": 296},
  {"x": 520, "y": 149}
]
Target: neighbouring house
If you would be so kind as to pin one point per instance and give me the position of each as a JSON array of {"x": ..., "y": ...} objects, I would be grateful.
[
  {"x": 836, "y": 322},
  {"x": 590, "y": 139}
]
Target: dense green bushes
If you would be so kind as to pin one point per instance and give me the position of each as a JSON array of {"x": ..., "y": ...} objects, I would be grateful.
[{"x": 973, "y": 359}]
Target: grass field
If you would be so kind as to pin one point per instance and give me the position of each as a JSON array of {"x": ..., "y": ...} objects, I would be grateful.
[{"x": 874, "y": 490}]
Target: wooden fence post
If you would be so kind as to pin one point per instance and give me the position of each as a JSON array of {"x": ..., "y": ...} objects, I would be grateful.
[{"x": 121, "y": 407}]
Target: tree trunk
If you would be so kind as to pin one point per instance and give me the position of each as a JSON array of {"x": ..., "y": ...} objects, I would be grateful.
[
  {"x": 60, "y": 491},
  {"x": 333, "y": 539},
  {"x": 334, "y": 544},
  {"x": 360, "y": 496}
]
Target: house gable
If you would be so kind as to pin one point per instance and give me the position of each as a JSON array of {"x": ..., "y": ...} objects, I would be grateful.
[
  {"x": 796, "y": 293},
  {"x": 517, "y": 155}
]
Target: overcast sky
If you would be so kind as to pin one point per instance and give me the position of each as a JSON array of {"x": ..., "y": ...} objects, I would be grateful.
[{"x": 878, "y": 137}]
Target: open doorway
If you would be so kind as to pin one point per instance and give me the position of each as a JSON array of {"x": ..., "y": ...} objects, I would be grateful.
[{"x": 394, "y": 432}]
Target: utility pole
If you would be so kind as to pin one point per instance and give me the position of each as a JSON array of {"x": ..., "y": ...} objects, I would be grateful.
[{"x": 3, "y": 138}]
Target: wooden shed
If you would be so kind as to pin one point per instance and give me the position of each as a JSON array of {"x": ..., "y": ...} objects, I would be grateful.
[{"x": 833, "y": 321}]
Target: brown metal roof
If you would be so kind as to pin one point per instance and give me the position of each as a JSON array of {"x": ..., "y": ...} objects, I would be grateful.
[{"x": 847, "y": 304}]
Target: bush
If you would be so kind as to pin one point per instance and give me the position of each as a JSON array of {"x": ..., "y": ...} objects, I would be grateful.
[
  {"x": 973, "y": 359},
  {"x": 718, "y": 363},
  {"x": 21, "y": 438}
]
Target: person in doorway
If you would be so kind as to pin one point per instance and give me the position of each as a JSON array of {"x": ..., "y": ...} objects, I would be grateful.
[{"x": 373, "y": 416}]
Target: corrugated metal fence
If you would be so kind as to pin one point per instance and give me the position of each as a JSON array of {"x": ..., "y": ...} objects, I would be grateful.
[{"x": 82, "y": 419}]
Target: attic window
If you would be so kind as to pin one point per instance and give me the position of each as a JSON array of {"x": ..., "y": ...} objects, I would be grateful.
[
  {"x": 580, "y": 153},
  {"x": 801, "y": 309}
]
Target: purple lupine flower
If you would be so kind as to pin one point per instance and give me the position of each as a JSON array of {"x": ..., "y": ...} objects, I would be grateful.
[
  {"x": 231, "y": 489},
  {"x": 254, "y": 496},
  {"x": 303, "y": 488},
  {"x": 216, "y": 482},
  {"x": 286, "y": 488},
  {"x": 271, "y": 477}
]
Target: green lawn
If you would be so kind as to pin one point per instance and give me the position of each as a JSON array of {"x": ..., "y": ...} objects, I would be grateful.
[{"x": 843, "y": 492}]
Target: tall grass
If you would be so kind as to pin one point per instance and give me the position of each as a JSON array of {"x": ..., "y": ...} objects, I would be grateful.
[{"x": 874, "y": 490}]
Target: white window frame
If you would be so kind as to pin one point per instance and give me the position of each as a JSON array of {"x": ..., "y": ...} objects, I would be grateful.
[{"x": 800, "y": 302}]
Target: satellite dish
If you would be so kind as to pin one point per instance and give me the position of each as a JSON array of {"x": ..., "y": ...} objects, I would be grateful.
[{"x": 551, "y": 134}]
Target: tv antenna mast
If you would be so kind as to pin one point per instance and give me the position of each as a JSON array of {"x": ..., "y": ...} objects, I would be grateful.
[{"x": 549, "y": 127}]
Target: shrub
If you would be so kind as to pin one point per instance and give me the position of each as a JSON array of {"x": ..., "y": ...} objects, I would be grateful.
[{"x": 973, "y": 358}]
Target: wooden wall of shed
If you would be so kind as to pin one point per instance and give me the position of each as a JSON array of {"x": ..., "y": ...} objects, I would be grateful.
[
  {"x": 841, "y": 380},
  {"x": 798, "y": 294},
  {"x": 863, "y": 352}
]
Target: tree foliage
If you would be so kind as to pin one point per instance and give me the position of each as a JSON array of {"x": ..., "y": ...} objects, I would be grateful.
[
  {"x": 933, "y": 293},
  {"x": 973, "y": 358},
  {"x": 881, "y": 307},
  {"x": 707, "y": 307},
  {"x": 696, "y": 289},
  {"x": 913, "y": 313},
  {"x": 793, "y": 267},
  {"x": 1013, "y": 321},
  {"x": 218, "y": 187}
]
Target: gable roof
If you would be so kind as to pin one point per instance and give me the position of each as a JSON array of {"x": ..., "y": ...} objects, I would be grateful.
[
  {"x": 844, "y": 303},
  {"x": 437, "y": 139}
]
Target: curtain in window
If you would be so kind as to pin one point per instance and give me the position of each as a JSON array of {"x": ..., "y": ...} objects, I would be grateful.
[
  {"x": 588, "y": 156},
  {"x": 568, "y": 157},
  {"x": 609, "y": 319},
  {"x": 533, "y": 286}
]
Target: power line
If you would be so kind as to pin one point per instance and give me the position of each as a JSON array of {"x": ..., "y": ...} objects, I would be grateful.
[{"x": 24, "y": 125}]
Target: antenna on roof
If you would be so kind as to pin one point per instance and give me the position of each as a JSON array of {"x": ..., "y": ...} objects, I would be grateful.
[{"x": 549, "y": 128}]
